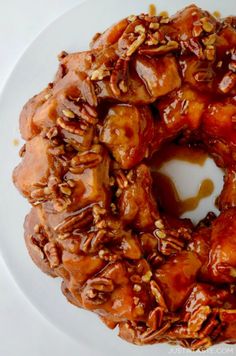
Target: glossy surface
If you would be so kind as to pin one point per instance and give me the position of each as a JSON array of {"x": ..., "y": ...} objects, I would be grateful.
[
  {"x": 164, "y": 188},
  {"x": 168, "y": 197},
  {"x": 96, "y": 222},
  {"x": 95, "y": 337}
]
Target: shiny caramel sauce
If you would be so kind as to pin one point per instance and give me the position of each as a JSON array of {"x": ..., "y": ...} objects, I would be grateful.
[
  {"x": 181, "y": 153},
  {"x": 152, "y": 10},
  {"x": 164, "y": 188}
]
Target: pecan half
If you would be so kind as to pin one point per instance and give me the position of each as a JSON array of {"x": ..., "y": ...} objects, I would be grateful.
[
  {"x": 228, "y": 82},
  {"x": 51, "y": 251},
  {"x": 158, "y": 295},
  {"x": 158, "y": 51},
  {"x": 198, "y": 317},
  {"x": 119, "y": 77},
  {"x": 73, "y": 127},
  {"x": 155, "y": 318},
  {"x": 75, "y": 222},
  {"x": 82, "y": 161},
  {"x": 150, "y": 336},
  {"x": 97, "y": 290}
]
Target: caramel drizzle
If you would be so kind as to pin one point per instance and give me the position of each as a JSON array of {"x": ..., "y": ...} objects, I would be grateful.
[
  {"x": 169, "y": 199},
  {"x": 165, "y": 190}
]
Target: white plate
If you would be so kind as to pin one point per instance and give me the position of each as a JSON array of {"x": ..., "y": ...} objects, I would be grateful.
[{"x": 34, "y": 70}]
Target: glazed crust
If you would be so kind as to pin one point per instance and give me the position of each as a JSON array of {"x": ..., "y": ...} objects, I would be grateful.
[{"x": 85, "y": 169}]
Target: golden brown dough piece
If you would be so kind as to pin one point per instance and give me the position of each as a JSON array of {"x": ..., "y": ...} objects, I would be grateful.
[{"x": 85, "y": 169}]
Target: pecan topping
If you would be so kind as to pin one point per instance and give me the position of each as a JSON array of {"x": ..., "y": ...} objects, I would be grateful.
[
  {"x": 136, "y": 44},
  {"x": 198, "y": 317},
  {"x": 97, "y": 290},
  {"x": 228, "y": 82},
  {"x": 51, "y": 252},
  {"x": 68, "y": 113},
  {"x": 100, "y": 73},
  {"x": 158, "y": 295},
  {"x": 101, "y": 218},
  {"x": 72, "y": 127},
  {"x": 155, "y": 318},
  {"x": 80, "y": 162},
  {"x": 118, "y": 78},
  {"x": 74, "y": 222},
  {"x": 158, "y": 51}
]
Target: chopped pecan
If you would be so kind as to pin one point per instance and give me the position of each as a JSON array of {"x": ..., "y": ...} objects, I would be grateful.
[
  {"x": 158, "y": 51},
  {"x": 77, "y": 221},
  {"x": 100, "y": 73},
  {"x": 198, "y": 317},
  {"x": 210, "y": 327},
  {"x": 87, "y": 159},
  {"x": 73, "y": 127},
  {"x": 97, "y": 290},
  {"x": 37, "y": 249},
  {"x": 51, "y": 251},
  {"x": 119, "y": 75},
  {"x": 193, "y": 46},
  {"x": 201, "y": 344},
  {"x": 52, "y": 132},
  {"x": 136, "y": 44},
  {"x": 88, "y": 92},
  {"x": 68, "y": 113},
  {"x": 155, "y": 318},
  {"x": 150, "y": 336},
  {"x": 155, "y": 259},
  {"x": 207, "y": 25},
  {"x": 122, "y": 180},
  {"x": 84, "y": 111},
  {"x": 158, "y": 295},
  {"x": 170, "y": 245},
  {"x": 228, "y": 82}
]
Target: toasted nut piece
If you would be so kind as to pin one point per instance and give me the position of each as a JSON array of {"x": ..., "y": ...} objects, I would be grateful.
[
  {"x": 207, "y": 25},
  {"x": 68, "y": 113},
  {"x": 147, "y": 276},
  {"x": 210, "y": 40},
  {"x": 228, "y": 82},
  {"x": 139, "y": 29},
  {"x": 159, "y": 233},
  {"x": 132, "y": 18},
  {"x": 100, "y": 73},
  {"x": 136, "y": 44},
  {"x": 158, "y": 295},
  {"x": 154, "y": 25},
  {"x": 163, "y": 49}
]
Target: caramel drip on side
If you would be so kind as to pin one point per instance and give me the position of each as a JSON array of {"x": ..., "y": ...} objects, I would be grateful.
[
  {"x": 166, "y": 193},
  {"x": 181, "y": 153},
  {"x": 164, "y": 188}
]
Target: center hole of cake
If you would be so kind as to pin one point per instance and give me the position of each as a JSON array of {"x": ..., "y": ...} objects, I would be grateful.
[{"x": 186, "y": 182}]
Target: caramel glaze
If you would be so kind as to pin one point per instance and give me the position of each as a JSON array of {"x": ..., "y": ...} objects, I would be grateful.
[
  {"x": 168, "y": 197},
  {"x": 182, "y": 153},
  {"x": 164, "y": 188},
  {"x": 95, "y": 222}
]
